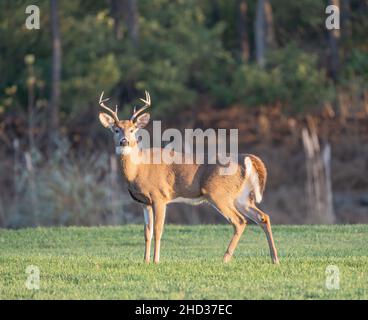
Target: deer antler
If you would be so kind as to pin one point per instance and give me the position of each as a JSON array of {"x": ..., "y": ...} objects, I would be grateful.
[
  {"x": 147, "y": 104},
  {"x": 113, "y": 113}
]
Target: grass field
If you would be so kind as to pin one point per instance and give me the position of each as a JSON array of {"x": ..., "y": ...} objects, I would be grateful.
[{"x": 107, "y": 263}]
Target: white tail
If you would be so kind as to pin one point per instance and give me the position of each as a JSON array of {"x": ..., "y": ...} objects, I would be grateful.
[
  {"x": 252, "y": 177},
  {"x": 156, "y": 185}
]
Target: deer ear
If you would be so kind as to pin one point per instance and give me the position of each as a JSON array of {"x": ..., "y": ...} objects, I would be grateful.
[
  {"x": 106, "y": 120},
  {"x": 142, "y": 120}
]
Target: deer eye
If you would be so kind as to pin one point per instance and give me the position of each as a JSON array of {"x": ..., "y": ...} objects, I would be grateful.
[{"x": 116, "y": 130}]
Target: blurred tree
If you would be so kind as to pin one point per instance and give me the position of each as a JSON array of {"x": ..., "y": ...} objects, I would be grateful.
[
  {"x": 243, "y": 32},
  {"x": 345, "y": 12},
  {"x": 117, "y": 10},
  {"x": 333, "y": 46},
  {"x": 131, "y": 18},
  {"x": 188, "y": 53},
  {"x": 56, "y": 74},
  {"x": 289, "y": 76},
  {"x": 264, "y": 30},
  {"x": 300, "y": 22},
  {"x": 31, "y": 81},
  {"x": 270, "y": 30},
  {"x": 260, "y": 33}
]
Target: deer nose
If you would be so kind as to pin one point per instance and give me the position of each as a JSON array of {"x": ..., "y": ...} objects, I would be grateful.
[{"x": 124, "y": 142}]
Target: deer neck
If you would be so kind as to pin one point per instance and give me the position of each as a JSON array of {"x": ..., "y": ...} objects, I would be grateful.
[
  {"x": 130, "y": 168},
  {"x": 130, "y": 164}
]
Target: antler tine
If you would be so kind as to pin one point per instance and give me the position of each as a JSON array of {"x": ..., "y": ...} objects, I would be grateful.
[
  {"x": 147, "y": 101},
  {"x": 147, "y": 104},
  {"x": 102, "y": 105}
]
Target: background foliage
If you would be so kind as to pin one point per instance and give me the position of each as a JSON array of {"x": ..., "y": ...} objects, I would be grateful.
[
  {"x": 191, "y": 57},
  {"x": 187, "y": 49}
]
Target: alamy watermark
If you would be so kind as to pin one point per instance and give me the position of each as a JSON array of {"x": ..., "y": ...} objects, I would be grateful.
[
  {"x": 333, "y": 20},
  {"x": 33, "y": 20},
  {"x": 195, "y": 146},
  {"x": 332, "y": 277},
  {"x": 33, "y": 278}
]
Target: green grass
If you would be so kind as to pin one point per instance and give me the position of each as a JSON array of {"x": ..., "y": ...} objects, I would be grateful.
[{"x": 107, "y": 263}]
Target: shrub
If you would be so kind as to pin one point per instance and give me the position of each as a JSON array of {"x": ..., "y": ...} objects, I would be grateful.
[
  {"x": 179, "y": 56},
  {"x": 291, "y": 77},
  {"x": 67, "y": 190},
  {"x": 356, "y": 67}
]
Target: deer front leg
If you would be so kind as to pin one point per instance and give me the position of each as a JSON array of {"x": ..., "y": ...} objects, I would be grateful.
[
  {"x": 159, "y": 211},
  {"x": 148, "y": 232}
]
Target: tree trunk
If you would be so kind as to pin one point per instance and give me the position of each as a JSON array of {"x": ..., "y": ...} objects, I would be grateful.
[
  {"x": 270, "y": 30},
  {"x": 31, "y": 80},
  {"x": 117, "y": 9},
  {"x": 131, "y": 18},
  {"x": 56, "y": 74},
  {"x": 333, "y": 46},
  {"x": 318, "y": 187},
  {"x": 345, "y": 11},
  {"x": 264, "y": 32},
  {"x": 260, "y": 33},
  {"x": 243, "y": 34}
]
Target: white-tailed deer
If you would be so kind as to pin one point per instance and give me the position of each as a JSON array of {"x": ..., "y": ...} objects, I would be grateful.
[{"x": 156, "y": 185}]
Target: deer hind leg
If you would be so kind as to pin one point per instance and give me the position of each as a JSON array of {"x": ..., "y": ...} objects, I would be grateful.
[
  {"x": 148, "y": 232},
  {"x": 262, "y": 219},
  {"x": 159, "y": 211},
  {"x": 239, "y": 223}
]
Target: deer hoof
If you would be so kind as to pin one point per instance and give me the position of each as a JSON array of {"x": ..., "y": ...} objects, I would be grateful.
[{"x": 227, "y": 257}]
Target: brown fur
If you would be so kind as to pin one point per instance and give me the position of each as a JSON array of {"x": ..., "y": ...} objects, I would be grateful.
[
  {"x": 153, "y": 184},
  {"x": 156, "y": 185}
]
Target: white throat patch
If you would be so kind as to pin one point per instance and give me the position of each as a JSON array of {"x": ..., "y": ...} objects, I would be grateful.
[{"x": 123, "y": 150}]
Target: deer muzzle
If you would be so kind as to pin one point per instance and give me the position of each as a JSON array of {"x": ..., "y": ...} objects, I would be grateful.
[{"x": 124, "y": 142}]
